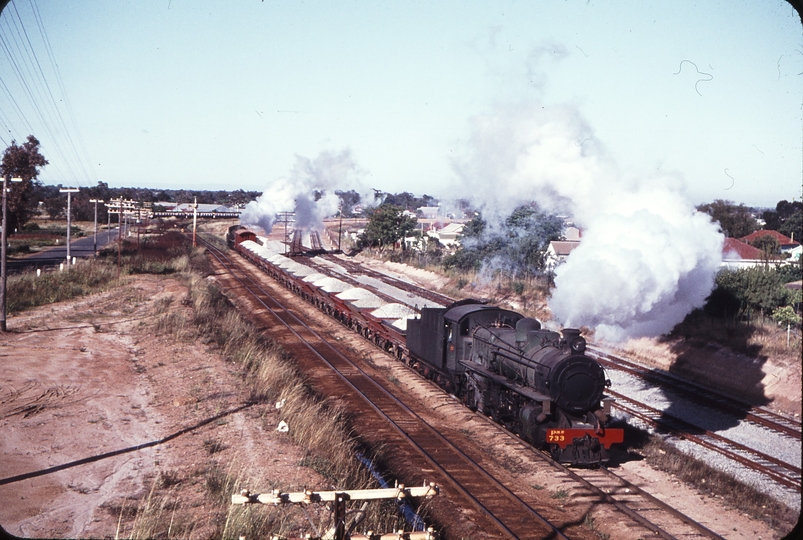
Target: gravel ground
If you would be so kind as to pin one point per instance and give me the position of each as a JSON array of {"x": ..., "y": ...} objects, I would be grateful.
[{"x": 781, "y": 447}]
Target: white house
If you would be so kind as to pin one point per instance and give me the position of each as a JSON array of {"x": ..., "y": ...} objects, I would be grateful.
[
  {"x": 558, "y": 250},
  {"x": 449, "y": 235}
]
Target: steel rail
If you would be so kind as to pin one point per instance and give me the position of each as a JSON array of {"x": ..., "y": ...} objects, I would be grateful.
[
  {"x": 780, "y": 471},
  {"x": 357, "y": 379},
  {"x": 620, "y": 505},
  {"x": 702, "y": 396},
  {"x": 627, "y": 508}
]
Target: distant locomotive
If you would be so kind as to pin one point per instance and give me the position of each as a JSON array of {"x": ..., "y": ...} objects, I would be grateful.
[{"x": 535, "y": 382}]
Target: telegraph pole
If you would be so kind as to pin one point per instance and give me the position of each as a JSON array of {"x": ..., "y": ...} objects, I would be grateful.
[
  {"x": 340, "y": 227},
  {"x": 4, "y": 241},
  {"x": 118, "y": 206},
  {"x": 69, "y": 192},
  {"x": 194, "y": 219},
  {"x": 96, "y": 201}
]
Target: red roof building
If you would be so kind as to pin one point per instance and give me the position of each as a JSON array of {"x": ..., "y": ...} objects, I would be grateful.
[
  {"x": 784, "y": 241},
  {"x": 736, "y": 249}
]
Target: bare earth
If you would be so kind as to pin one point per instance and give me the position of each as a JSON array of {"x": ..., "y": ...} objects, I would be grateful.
[
  {"x": 89, "y": 377},
  {"x": 84, "y": 378}
]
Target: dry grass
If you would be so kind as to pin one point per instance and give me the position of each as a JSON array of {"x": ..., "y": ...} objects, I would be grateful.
[{"x": 319, "y": 428}]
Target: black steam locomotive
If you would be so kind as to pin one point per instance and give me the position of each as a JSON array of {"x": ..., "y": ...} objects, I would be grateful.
[{"x": 537, "y": 383}]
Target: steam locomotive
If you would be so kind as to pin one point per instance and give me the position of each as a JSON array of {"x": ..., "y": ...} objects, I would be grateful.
[{"x": 537, "y": 383}]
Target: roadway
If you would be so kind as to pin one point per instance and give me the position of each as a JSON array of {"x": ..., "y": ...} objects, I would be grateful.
[{"x": 53, "y": 256}]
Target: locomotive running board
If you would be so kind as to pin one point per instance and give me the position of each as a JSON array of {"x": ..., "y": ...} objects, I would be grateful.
[{"x": 523, "y": 390}]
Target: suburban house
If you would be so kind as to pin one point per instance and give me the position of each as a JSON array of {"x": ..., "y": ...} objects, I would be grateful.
[
  {"x": 448, "y": 235},
  {"x": 429, "y": 212},
  {"x": 558, "y": 250},
  {"x": 788, "y": 245},
  {"x": 737, "y": 254}
]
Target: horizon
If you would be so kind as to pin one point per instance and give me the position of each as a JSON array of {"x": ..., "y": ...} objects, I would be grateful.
[{"x": 200, "y": 95}]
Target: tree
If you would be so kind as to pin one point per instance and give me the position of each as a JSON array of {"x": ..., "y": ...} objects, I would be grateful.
[
  {"x": 55, "y": 206},
  {"x": 787, "y": 219},
  {"x": 387, "y": 224},
  {"x": 786, "y": 315},
  {"x": 749, "y": 289},
  {"x": 22, "y": 162},
  {"x": 517, "y": 246},
  {"x": 768, "y": 244},
  {"x": 734, "y": 220},
  {"x": 348, "y": 200},
  {"x": 408, "y": 201}
]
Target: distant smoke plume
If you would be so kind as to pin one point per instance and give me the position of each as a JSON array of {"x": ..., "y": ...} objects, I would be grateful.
[
  {"x": 309, "y": 191},
  {"x": 646, "y": 259}
]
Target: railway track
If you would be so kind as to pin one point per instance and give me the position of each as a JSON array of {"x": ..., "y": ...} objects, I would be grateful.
[
  {"x": 628, "y": 498},
  {"x": 776, "y": 470},
  {"x": 779, "y": 471},
  {"x": 702, "y": 396},
  {"x": 663, "y": 520},
  {"x": 358, "y": 269},
  {"x": 462, "y": 479}
]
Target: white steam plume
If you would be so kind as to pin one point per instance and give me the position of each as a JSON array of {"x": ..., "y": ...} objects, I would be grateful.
[
  {"x": 309, "y": 191},
  {"x": 646, "y": 259}
]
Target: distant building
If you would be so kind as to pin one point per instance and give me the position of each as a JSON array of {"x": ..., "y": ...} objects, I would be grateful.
[
  {"x": 448, "y": 235},
  {"x": 572, "y": 233},
  {"x": 737, "y": 254},
  {"x": 558, "y": 250},
  {"x": 429, "y": 212},
  {"x": 787, "y": 244},
  {"x": 205, "y": 208}
]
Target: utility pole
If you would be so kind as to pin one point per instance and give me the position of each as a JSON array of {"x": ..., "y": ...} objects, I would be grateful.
[
  {"x": 286, "y": 218},
  {"x": 194, "y": 219},
  {"x": 119, "y": 236},
  {"x": 340, "y": 228},
  {"x": 118, "y": 206},
  {"x": 69, "y": 192},
  {"x": 4, "y": 241},
  {"x": 96, "y": 201}
]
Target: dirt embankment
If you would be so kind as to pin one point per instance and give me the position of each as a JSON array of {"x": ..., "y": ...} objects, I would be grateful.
[{"x": 96, "y": 410}]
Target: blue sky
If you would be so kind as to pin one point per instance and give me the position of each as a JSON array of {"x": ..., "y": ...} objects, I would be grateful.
[{"x": 199, "y": 94}]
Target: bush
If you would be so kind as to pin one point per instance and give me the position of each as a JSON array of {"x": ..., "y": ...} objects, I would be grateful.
[{"x": 744, "y": 291}]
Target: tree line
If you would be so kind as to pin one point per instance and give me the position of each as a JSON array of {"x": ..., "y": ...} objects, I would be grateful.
[{"x": 738, "y": 220}]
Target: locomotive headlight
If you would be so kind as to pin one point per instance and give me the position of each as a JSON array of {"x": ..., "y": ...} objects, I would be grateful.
[{"x": 578, "y": 344}]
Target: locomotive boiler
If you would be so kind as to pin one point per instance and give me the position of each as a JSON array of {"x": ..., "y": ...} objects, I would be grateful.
[{"x": 537, "y": 383}]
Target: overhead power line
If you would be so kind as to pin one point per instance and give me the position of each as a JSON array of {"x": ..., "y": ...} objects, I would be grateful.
[{"x": 30, "y": 105}]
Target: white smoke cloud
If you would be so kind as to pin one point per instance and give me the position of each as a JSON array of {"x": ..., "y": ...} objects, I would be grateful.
[
  {"x": 309, "y": 191},
  {"x": 646, "y": 259}
]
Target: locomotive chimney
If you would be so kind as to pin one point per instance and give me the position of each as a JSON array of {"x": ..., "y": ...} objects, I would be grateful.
[
  {"x": 524, "y": 327},
  {"x": 571, "y": 337}
]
